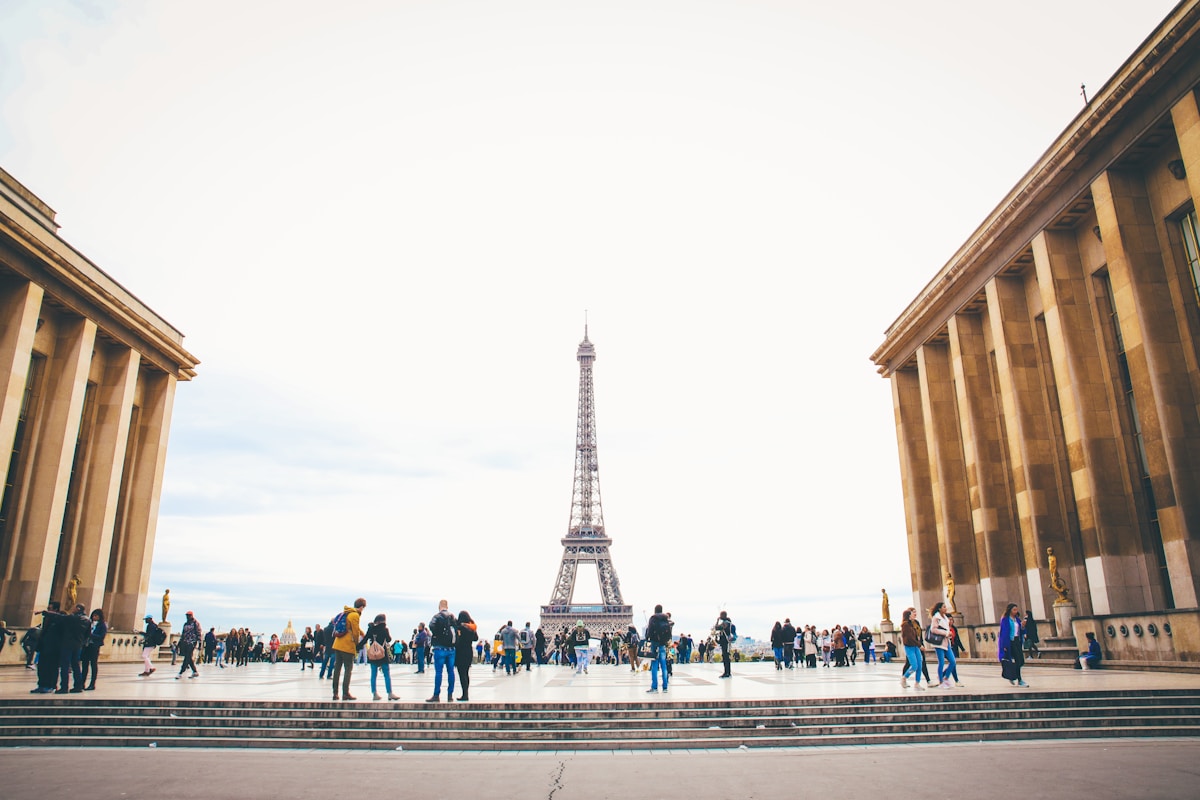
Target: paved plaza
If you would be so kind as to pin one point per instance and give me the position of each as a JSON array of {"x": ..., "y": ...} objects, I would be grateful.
[
  {"x": 1102, "y": 768},
  {"x": 602, "y": 684}
]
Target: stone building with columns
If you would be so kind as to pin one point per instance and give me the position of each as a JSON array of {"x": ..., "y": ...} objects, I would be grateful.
[
  {"x": 1046, "y": 382},
  {"x": 89, "y": 375}
]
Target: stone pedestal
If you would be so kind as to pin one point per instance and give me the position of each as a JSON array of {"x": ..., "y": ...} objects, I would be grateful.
[{"x": 1063, "y": 614}]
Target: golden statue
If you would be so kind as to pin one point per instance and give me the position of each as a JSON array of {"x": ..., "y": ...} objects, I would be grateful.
[
  {"x": 73, "y": 593},
  {"x": 950, "y": 593},
  {"x": 887, "y": 611},
  {"x": 166, "y": 604},
  {"x": 1056, "y": 582}
]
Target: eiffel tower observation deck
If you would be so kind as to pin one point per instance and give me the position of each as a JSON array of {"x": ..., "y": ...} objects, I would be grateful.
[{"x": 586, "y": 541}]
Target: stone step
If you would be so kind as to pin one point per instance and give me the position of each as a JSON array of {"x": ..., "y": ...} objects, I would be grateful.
[{"x": 934, "y": 717}]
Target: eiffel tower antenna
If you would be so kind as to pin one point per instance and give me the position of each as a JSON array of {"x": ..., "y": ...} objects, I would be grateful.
[{"x": 586, "y": 541}]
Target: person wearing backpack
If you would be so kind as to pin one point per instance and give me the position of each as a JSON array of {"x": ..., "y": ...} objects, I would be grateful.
[
  {"x": 377, "y": 638},
  {"x": 442, "y": 630},
  {"x": 525, "y": 639},
  {"x": 347, "y": 636},
  {"x": 726, "y": 633},
  {"x": 658, "y": 632},
  {"x": 508, "y": 637}
]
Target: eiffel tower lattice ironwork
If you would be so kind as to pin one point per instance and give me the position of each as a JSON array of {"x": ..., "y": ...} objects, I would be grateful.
[{"x": 586, "y": 541}]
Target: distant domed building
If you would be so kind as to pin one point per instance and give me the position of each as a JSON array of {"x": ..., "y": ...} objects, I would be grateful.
[{"x": 288, "y": 636}]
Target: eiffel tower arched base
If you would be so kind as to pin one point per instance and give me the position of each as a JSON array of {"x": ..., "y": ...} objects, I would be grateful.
[{"x": 597, "y": 619}]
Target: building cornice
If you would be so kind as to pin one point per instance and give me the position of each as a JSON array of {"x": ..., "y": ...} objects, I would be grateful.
[{"x": 1145, "y": 87}]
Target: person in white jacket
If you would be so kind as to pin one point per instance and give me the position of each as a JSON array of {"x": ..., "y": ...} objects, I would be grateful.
[{"x": 939, "y": 636}]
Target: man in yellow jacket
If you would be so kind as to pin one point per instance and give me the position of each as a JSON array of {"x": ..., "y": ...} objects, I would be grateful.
[{"x": 345, "y": 647}]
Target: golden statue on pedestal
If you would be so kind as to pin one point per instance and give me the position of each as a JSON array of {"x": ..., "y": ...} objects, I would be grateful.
[
  {"x": 1056, "y": 582},
  {"x": 72, "y": 593},
  {"x": 887, "y": 611},
  {"x": 950, "y": 593},
  {"x": 166, "y": 604}
]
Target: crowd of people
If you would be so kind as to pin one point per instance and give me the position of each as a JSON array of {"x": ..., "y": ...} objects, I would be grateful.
[{"x": 66, "y": 648}]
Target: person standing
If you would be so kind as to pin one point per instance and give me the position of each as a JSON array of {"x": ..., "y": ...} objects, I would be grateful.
[
  {"x": 508, "y": 635},
  {"x": 345, "y": 647},
  {"x": 91, "y": 651},
  {"x": 910, "y": 637},
  {"x": 726, "y": 634},
  {"x": 658, "y": 633},
  {"x": 378, "y": 634},
  {"x": 468, "y": 633},
  {"x": 150, "y": 641},
  {"x": 1031, "y": 636},
  {"x": 75, "y": 630},
  {"x": 525, "y": 639},
  {"x": 210, "y": 644},
  {"x": 940, "y": 633},
  {"x": 1008, "y": 646},
  {"x": 327, "y": 655},
  {"x": 189, "y": 640},
  {"x": 633, "y": 643},
  {"x": 420, "y": 646},
  {"x": 539, "y": 646},
  {"x": 273, "y": 646},
  {"x": 307, "y": 648},
  {"x": 789, "y": 642},
  {"x": 581, "y": 645},
  {"x": 442, "y": 628}
]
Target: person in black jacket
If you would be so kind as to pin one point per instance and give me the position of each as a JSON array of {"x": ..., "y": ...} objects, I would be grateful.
[
  {"x": 49, "y": 649},
  {"x": 91, "y": 650},
  {"x": 377, "y": 633},
  {"x": 467, "y": 635}
]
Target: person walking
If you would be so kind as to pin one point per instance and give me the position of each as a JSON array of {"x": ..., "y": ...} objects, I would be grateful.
[
  {"x": 508, "y": 635},
  {"x": 152, "y": 637},
  {"x": 789, "y": 643},
  {"x": 658, "y": 633},
  {"x": 327, "y": 653},
  {"x": 633, "y": 644},
  {"x": 189, "y": 640},
  {"x": 940, "y": 635},
  {"x": 1009, "y": 646},
  {"x": 1031, "y": 636},
  {"x": 726, "y": 634},
  {"x": 345, "y": 646},
  {"x": 442, "y": 629},
  {"x": 910, "y": 637},
  {"x": 468, "y": 633},
  {"x": 376, "y": 641},
  {"x": 307, "y": 648},
  {"x": 91, "y": 651}
]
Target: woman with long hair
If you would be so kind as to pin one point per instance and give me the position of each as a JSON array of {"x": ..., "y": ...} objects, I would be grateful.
[
  {"x": 939, "y": 625},
  {"x": 910, "y": 637},
  {"x": 1009, "y": 645},
  {"x": 777, "y": 644},
  {"x": 91, "y": 650},
  {"x": 377, "y": 633},
  {"x": 467, "y": 634}
]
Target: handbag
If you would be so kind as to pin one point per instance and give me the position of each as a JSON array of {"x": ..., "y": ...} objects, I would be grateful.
[
  {"x": 934, "y": 638},
  {"x": 376, "y": 652}
]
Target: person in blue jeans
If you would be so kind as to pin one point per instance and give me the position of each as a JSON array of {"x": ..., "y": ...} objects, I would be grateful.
[
  {"x": 442, "y": 629},
  {"x": 420, "y": 643},
  {"x": 658, "y": 632}
]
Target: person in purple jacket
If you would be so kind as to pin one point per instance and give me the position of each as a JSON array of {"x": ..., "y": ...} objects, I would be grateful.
[{"x": 1012, "y": 633}]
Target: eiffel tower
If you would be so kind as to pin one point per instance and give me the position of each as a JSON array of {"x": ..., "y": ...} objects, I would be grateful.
[{"x": 586, "y": 541}]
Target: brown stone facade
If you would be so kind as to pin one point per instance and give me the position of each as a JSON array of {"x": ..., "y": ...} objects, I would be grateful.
[
  {"x": 1046, "y": 383},
  {"x": 88, "y": 375}
]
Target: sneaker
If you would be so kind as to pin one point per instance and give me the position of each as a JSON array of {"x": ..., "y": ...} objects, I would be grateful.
[
  {"x": 194, "y": 675},
  {"x": 376, "y": 697},
  {"x": 393, "y": 696},
  {"x": 920, "y": 688},
  {"x": 180, "y": 675},
  {"x": 1022, "y": 683},
  {"x": 958, "y": 683},
  {"x": 904, "y": 683},
  {"x": 651, "y": 691},
  {"x": 945, "y": 685},
  {"x": 664, "y": 690}
]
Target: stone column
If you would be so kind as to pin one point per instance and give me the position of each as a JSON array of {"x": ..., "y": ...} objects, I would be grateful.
[
  {"x": 20, "y": 302},
  {"x": 98, "y": 504},
  {"x": 992, "y": 518},
  {"x": 952, "y": 509},
  {"x": 29, "y": 587},
  {"x": 1027, "y": 426},
  {"x": 1108, "y": 525},
  {"x": 919, "y": 518},
  {"x": 127, "y": 597},
  {"x": 1162, "y": 389}
]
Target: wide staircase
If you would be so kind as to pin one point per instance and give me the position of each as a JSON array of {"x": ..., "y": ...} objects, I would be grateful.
[{"x": 70, "y": 722}]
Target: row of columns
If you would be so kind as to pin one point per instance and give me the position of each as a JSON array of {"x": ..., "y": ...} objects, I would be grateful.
[
  {"x": 88, "y": 471},
  {"x": 1015, "y": 436}
]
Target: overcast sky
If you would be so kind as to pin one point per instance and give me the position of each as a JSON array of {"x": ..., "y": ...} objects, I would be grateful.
[{"x": 380, "y": 225}]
